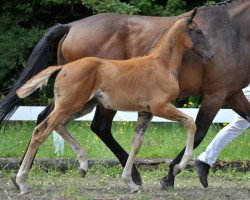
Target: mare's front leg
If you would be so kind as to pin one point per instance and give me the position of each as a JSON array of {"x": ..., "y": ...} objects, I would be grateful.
[
  {"x": 101, "y": 126},
  {"x": 240, "y": 103},
  {"x": 209, "y": 108},
  {"x": 143, "y": 120}
]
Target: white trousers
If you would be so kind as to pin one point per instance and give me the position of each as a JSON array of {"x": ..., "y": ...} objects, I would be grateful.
[{"x": 224, "y": 137}]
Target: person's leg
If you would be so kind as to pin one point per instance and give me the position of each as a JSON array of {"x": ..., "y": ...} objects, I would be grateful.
[{"x": 221, "y": 140}]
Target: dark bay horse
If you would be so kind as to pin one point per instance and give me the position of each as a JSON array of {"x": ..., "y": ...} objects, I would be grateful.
[
  {"x": 114, "y": 36},
  {"x": 147, "y": 85}
]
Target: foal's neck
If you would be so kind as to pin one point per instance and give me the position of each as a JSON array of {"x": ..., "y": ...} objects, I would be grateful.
[{"x": 170, "y": 49}]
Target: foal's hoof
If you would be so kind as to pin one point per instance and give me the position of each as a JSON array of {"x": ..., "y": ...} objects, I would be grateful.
[
  {"x": 24, "y": 190},
  {"x": 82, "y": 173},
  {"x": 167, "y": 182},
  {"x": 129, "y": 182},
  {"x": 135, "y": 189},
  {"x": 202, "y": 170},
  {"x": 176, "y": 170},
  {"x": 13, "y": 178},
  {"x": 136, "y": 177},
  {"x": 22, "y": 187}
]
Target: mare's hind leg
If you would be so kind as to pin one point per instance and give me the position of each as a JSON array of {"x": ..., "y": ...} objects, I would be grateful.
[
  {"x": 143, "y": 120},
  {"x": 40, "y": 134},
  {"x": 169, "y": 111}
]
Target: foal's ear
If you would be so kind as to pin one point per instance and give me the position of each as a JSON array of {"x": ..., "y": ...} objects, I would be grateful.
[{"x": 190, "y": 19}]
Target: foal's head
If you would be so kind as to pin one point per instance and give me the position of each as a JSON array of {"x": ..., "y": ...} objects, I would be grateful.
[{"x": 193, "y": 37}]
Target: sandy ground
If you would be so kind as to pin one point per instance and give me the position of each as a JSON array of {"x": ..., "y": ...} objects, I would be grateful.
[{"x": 69, "y": 186}]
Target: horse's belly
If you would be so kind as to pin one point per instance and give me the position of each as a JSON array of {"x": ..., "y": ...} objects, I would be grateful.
[{"x": 116, "y": 102}]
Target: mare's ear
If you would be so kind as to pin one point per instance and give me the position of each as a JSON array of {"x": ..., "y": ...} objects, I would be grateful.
[{"x": 190, "y": 19}]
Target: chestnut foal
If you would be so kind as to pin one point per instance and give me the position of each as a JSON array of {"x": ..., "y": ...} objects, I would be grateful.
[{"x": 147, "y": 84}]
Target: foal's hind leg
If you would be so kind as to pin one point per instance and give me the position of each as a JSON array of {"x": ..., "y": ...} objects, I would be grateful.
[
  {"x": 169, "y": 111},
  {"x": 141, "y": 126},
  {"x": 49, "y": 108},
  {"x": 81, "y": 155},
  {"x": 40, "y": 134}
]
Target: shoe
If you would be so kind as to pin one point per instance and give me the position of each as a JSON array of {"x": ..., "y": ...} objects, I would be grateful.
[{"x": 202, "y": 170}]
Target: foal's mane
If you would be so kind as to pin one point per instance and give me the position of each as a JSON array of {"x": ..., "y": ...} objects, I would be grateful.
[{"x": 166, "y": 30}]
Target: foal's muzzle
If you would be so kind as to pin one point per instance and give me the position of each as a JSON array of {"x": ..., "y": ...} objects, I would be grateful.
[{"x": 208, "y": 57}]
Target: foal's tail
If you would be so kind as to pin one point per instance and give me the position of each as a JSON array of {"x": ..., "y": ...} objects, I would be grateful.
[
  {"x": 36, "y": 82},
  {"x": 39, "y": 59}
]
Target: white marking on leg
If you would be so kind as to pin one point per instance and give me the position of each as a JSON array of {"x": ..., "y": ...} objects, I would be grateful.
[
  {"x": 189, "y": 123},
  {"x": 38, "y": 137},
  {"x": 126, "y": 175},
  {"x": 142, "y": 123}
]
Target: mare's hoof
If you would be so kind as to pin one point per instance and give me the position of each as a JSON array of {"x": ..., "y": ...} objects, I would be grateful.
[
  {"x": 136, "y": 177},
  {"x": 176, "y": 170},
  {"x": 202, "y": 170},
  {"x": 82, "y": 173},
  {"x": 167, "y": 182},
  {"x": 13, "y": 178}
]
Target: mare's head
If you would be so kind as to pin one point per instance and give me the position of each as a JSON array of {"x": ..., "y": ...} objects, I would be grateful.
[{"x": 193, "y": 37}]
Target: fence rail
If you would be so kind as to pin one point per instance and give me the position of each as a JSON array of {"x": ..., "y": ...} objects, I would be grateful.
[{"x": 30, "y": 113}]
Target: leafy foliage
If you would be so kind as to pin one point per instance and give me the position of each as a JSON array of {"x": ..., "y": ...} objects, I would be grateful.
[
  {"x": 23, "y": 22},
  {"x": 114, "y": 6}
]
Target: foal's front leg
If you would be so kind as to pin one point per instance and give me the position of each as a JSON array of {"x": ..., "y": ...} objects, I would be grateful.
[
  {"x": 169, "y": 111},
  {"x": 101, "y": 126},
  {"x": 143, "y": 121}
]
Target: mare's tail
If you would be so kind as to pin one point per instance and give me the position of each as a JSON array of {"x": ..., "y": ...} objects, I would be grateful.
[
  {"x": 36, "y": 82},
  {"x": 39, "y": 59}
]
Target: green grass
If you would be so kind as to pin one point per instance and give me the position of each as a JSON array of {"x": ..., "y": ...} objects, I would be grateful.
[{"x": 162, "y": 140}]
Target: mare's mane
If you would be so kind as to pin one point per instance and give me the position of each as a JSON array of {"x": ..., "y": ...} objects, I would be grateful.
[
  {"x": 223, "y": 3},
  {"x": 210, "y": 5}
]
